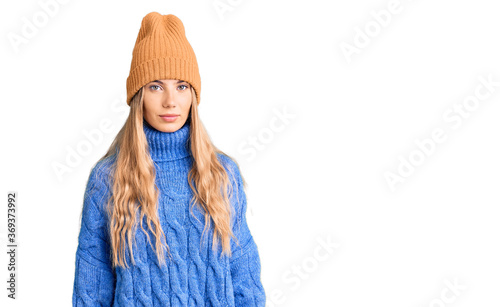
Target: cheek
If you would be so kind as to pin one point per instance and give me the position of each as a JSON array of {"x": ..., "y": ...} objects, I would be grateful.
[
  {"x": 145, "y": 108},
  {"x": 148, "y": 111},
  {"x": 187, "y": 108},
  {"x": 148, "y": 105},
  {"x": 186, "y": 104}
]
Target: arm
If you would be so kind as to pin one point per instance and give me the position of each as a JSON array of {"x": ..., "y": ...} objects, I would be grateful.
[
  {"x": 95, "y": 279},
  {"x": 245, "y": 260}
]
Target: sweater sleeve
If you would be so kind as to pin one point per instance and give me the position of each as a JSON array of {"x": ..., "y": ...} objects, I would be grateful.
[
  {"x": 245, "y": 260},
  {"x": 95, "y": 279}
]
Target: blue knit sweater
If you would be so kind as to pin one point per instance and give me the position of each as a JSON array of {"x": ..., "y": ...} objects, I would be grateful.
[{"x": 195, "y": 275}]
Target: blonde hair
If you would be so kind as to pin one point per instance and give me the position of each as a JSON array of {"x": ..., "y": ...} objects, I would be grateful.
[{"x": 133, "y": 187}]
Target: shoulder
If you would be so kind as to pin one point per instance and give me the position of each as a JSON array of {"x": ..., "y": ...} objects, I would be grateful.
[
  {"x": 231, "y": 166},
  {"x": 105, "y": 165},
  {"x": 237, "y": 182},
  {"x": 99, "y": 182},
  {"x": 103, "y": 169},
  {"x": 227, "y": 161}
]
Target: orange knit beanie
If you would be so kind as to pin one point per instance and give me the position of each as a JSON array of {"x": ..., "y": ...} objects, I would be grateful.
[{"x": 162, "y": 51}]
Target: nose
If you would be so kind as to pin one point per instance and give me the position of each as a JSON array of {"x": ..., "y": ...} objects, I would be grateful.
[{"x": 168, "y": 99}]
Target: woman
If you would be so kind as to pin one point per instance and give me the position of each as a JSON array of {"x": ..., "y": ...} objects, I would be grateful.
[{"x": 162, "y": 173}]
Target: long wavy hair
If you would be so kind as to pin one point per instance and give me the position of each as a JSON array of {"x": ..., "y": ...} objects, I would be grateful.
[{"x": 134, "y": 188}]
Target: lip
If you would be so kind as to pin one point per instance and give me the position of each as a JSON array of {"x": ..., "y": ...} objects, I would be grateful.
[{"x": 169, "y": 117}]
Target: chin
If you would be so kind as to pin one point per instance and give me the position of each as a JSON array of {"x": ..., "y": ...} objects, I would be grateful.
[{"x": 169, "y": 127}]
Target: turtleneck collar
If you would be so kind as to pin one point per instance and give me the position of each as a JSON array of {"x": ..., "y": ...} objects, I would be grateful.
[{"x": 168, "y": 146}]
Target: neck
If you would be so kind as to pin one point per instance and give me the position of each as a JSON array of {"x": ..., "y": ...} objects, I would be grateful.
[{"x": 168, "y": 146}]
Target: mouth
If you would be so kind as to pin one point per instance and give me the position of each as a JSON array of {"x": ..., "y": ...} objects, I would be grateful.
[{"x": 169, "y": 117}]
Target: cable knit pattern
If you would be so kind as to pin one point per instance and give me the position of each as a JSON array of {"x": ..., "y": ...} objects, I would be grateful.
[{"x": 195, "y": 275}]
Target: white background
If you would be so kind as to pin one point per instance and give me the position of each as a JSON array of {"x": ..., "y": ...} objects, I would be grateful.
[{"x": 320, "y": 177}]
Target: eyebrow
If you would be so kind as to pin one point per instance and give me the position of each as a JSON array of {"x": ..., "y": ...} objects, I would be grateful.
[{"x": 158, "y": 81}]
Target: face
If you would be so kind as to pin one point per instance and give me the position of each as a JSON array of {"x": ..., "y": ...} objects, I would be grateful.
[{"x": 167, "y": 104}]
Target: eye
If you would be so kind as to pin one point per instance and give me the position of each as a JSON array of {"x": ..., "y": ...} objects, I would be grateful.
[
  {"x": 153, "y": 86},
  {"x": 186, "y": 87}
]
